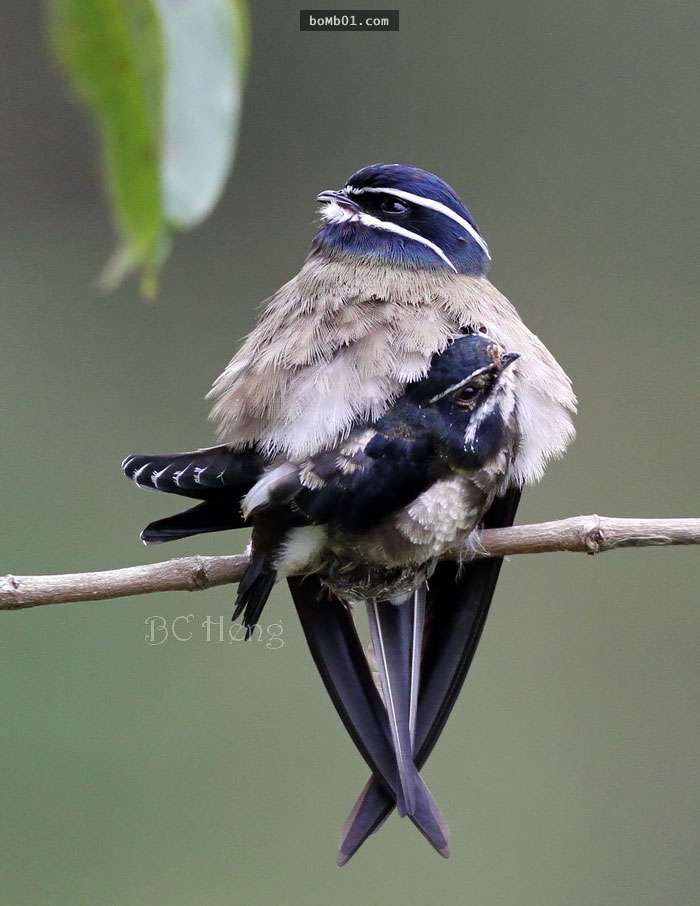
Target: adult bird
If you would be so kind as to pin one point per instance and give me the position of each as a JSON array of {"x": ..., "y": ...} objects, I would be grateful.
[{"x": 395, "y": 273}]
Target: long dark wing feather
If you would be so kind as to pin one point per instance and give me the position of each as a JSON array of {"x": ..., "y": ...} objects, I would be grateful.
[
  {"x": 393, "y": 628},
  {"x": 457, "y": 609},
  {"x": 218, "y": 476},
  {"x": 458, "y": 605},
  {"x": 341, "y": 662},
  {"x": 208, "y": 516},
  {"x": 253, "y": 591}
]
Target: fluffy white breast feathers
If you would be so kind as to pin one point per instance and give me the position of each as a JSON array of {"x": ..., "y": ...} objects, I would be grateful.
[{"x": 336, "y": 345}]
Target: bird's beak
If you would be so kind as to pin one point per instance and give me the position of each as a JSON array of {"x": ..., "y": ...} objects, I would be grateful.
[
  {"x": 508, "y": 358},
  {"x": 341, "y": 198}
]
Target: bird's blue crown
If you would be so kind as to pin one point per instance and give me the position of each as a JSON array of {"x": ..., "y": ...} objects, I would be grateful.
[{"x": 402, "y": 216}]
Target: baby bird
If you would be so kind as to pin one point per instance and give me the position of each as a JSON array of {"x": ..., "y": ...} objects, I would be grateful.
[{"x": 369, "y": 518}]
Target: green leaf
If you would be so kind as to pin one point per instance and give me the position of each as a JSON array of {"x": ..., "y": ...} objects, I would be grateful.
[
  {"x": 113, "y": 54},
  {"x": 205, "y": 44},
  {"x": 164, "y": 80}
]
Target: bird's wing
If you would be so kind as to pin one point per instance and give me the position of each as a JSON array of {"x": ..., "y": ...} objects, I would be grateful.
[
  {"x": 458, "y": 604},
  {"x": 373, "y": 474},
  {"x": 391, "y": 642},
  {"x": 340, "y": 659},
  {"x": 254, "y": 589},
  {"x": 271, "y": 533}
]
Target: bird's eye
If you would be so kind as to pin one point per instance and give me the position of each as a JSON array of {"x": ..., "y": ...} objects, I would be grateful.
[
  {"x": 393, "y": 206},
  {"x": 468, "y": 393}
]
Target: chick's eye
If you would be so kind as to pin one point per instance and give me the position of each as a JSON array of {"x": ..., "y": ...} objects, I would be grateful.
[
  {"x": 393, "y": 206},
  {"x": 468, "y": 393}
]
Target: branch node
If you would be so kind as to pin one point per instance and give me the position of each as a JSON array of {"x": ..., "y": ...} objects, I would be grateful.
[
  {"x": 11, "y": 592},
  {"x": 594, "y": 538},
  {"x": 199, "y": 578}
]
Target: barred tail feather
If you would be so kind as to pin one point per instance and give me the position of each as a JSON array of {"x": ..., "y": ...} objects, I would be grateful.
[{"x": 202, "y": 474}]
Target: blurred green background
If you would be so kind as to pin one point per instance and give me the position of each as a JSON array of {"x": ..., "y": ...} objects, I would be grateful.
[{"x": 208, "y": 772}]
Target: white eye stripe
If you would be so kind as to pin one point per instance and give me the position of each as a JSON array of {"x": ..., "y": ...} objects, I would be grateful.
[
  {"x": 427, "y": 203},
  {"x": 458, "y": 386},
  {"x": 377, "y": 224},
  {"x": 332, "y": 212},
  {"x": 453, "y": 389}
]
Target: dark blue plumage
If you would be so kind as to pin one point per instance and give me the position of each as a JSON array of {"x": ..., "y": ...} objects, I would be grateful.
[
  {"x": 461, "y": 359},
  {"x": 217, "y": 476},
  {"x": 462, "y": 247},
  {"x": 393, "y": 471},
  {"x": 208, "y": 474},
  {"x": 418, "y": 441}
]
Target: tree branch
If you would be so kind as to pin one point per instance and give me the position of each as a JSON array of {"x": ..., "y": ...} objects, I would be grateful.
[{"x": 586, "y": 534}]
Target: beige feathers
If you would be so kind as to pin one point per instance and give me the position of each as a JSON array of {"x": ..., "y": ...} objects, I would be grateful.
[{"x": 336, "y": 345}]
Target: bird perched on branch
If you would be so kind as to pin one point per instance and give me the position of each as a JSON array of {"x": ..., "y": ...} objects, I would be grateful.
[
  {"x": 309, "y": 409},
  {"x": 370, "y": 518}
]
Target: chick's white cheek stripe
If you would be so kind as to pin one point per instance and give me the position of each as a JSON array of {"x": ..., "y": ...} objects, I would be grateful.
[{"x": 427, "y": 203}]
